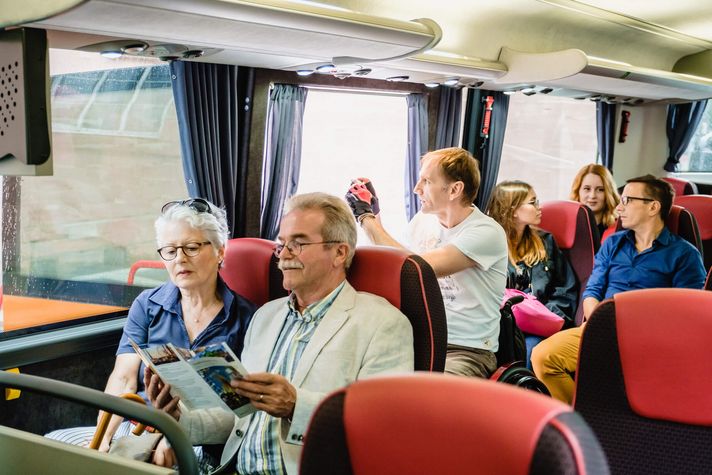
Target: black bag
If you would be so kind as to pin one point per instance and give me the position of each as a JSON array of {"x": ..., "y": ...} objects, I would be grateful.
[{"x": 511, "y": 339}]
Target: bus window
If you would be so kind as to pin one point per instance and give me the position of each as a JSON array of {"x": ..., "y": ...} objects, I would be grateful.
[
  {"x": 698, "y": 156},
  {"x": 116, "y": 155},
  {"x": 547, "y": 140},
  {"x": 344, "y": 138}
]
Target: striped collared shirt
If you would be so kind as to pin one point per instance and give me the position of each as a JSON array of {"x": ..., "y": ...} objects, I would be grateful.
[{"x": 260, "y": 452}]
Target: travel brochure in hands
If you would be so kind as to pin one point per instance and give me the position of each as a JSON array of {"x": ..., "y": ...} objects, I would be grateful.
[{"x": 201, "y": 379}]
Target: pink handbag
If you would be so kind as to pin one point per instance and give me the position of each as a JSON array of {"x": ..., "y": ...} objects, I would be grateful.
[{"x": 532, "y": 316}]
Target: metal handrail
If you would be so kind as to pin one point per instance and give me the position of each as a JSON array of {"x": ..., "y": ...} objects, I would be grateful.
[{"x": 187, "y": 464}]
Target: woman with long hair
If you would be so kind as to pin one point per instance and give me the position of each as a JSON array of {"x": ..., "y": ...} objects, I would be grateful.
[
  {"x": 536, "y": 264},
  {"x": 593, "y": 186}
]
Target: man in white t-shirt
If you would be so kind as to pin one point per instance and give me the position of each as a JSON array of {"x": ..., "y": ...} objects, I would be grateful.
[{"x": 466, "y": 249}]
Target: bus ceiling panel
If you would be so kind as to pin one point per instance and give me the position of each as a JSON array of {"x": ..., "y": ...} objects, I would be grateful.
[
  {"x": 17, "y": 13},
  {"x": 268, "y": 27},
  {"x": 572, "y": 69}
]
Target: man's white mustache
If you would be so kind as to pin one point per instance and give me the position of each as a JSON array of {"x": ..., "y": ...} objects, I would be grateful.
[{"x": 284, "y": 265}]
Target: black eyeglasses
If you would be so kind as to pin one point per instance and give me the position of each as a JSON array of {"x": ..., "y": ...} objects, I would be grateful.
[
  {"x": 198, "y": 204},
  {"x": 626, "y": 199},
  {"x": 295, "y": 247},
  {"x": 192, "y": 249}
]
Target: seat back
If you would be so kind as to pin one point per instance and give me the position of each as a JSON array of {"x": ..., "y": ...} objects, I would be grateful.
[
  {"x": 409, "y": 284},
  {"x": 681, "y": 222},
  {"x": 250, "y": 269},
  {"x": 573, "y": 226},
  {"x": 681, "y": 187},
  {"x": 405, "y": 280},
  {"x": 708, "y": 281},
  {"x": 701, "y": 207},
  {"x": 643, "y": 371},
  {"x": 430, "y": 423}
]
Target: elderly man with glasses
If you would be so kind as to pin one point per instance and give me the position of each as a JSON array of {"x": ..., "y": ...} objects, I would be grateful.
[
  {"x": 324, "y": 336},
  {"x": 645, "y": 255}
]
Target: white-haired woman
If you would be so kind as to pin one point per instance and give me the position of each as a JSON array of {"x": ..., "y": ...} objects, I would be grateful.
[{"x": 193, "y": 309}]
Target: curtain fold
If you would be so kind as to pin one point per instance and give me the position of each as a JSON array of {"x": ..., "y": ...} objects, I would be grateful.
[
  {"x": 282, "y": 156},
  {"x": 682, "y": 122},
  {"x": 487, "y": 150},
  {"x": 417, "y": 147},
  {"x": 214, "y": 109},
  {"x": 606, "y": 132},
  {"x": 447, "y": 130}
]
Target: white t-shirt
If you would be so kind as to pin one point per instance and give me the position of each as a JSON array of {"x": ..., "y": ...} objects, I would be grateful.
[{"x": 473, "y": 296}]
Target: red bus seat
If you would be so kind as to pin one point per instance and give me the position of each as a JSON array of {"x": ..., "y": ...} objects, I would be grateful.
[
  {"x": 405, "y": 280},
  {"x": 573, "y": 225},
  {"x": 643, "y": 380},
  {"x": 430, "y": 423},
  {"x": 701, "y": 207},
  {"x": 681, "y": 187}
]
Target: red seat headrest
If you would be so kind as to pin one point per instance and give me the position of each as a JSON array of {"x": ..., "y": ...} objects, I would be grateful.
[
  {"x": 666, "y": 356},
  {"x": 443, "y": 414},
  {"x": 378, "y": 270},
  {"x": 560, "y": 219},
  {"x": 246, "y": 269},
  {"x": 701, "y": 207}
]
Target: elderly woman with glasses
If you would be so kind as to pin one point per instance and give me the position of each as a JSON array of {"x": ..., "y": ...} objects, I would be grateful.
[
  {"x": 536, "y": 264},
  {"x": 193, "y": 309}
]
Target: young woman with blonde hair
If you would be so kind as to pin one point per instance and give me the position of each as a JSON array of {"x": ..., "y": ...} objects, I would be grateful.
[
  {"x": 536, "y": 264},
  {"x": 593, "y": 186}
]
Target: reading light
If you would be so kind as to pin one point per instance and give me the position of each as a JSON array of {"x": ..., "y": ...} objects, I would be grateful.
[
  {"x": 326, "y": 69},
  {"x": 432, "y": 84},
  {"x": 452, "y": 81},
  {"x": 193, "y": 53},
  {"x": 305, "y": 72},
  {"x": 135, "y": 48},
  {"x": 509, "y": 93},
  {"x": 111, "y": 53},
  {"x": 397, "y": 78},
  {"x": 362, "y": 71}
]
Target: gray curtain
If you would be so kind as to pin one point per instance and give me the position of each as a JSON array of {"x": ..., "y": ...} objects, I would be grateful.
[
  {"x": 682, "y": 122},
  {"x": 447, "y": 130},
  {"x": 417, "y": 147},
  {"x": 213, "y": 104},
  {"x": 488, "y": 150},
  {"x": 282, "y": 156},
  {"x": 606, "y": 132}
]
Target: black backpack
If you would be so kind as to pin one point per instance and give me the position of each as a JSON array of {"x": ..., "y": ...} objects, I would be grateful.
[{"x": 511, "y": 339}]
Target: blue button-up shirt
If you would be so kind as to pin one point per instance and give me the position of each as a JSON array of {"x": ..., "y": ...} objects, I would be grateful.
[
  {"x": 156, "y": 318},
  {"x": 669, "y": 262}
]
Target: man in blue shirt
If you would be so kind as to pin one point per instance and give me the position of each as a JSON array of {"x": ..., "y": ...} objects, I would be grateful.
[{"x": 645, "y": 255}]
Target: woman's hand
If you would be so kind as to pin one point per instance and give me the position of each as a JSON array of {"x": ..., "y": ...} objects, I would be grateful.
[
  {"x": 164, "y": 455},
  {"x": 159, "y": 394}
]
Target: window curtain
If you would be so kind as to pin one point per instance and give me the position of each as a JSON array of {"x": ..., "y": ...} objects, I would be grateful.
[
  {"x": 682, "y": 121},
  {"x": 487, "y": 150},
  {"x": 606, "y": 132},
  {"x": 417, "y": 147},
  {"x": 214, "y": 108},
  {"x": 447, "y": 131},
  {"x": 282, "y": 156}
]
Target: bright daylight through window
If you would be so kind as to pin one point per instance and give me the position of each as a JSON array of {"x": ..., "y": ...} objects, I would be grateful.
[{"x": 344, "y": 138}]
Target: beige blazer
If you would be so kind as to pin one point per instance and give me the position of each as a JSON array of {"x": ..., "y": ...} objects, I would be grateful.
[{"x": 360, "y": 335}]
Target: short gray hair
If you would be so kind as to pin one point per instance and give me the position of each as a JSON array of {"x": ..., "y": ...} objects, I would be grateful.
[
  {"x": 339, "y": 223},
  {"x": 213, "y": 223}
]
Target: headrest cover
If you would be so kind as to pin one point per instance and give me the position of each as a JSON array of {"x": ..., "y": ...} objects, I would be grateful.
[
  {"x": 247, "y": 266},
  {"x": 701, "y": 207},
  {"x": 560, "y": 219},
  {"x": 428, "y": 423},
  {"x": 377, "y": 270},
  {"x": 665, "y": 352}
]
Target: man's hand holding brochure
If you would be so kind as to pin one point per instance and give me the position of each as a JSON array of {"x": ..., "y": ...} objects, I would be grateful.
[{"x": 201, "y": 379}]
